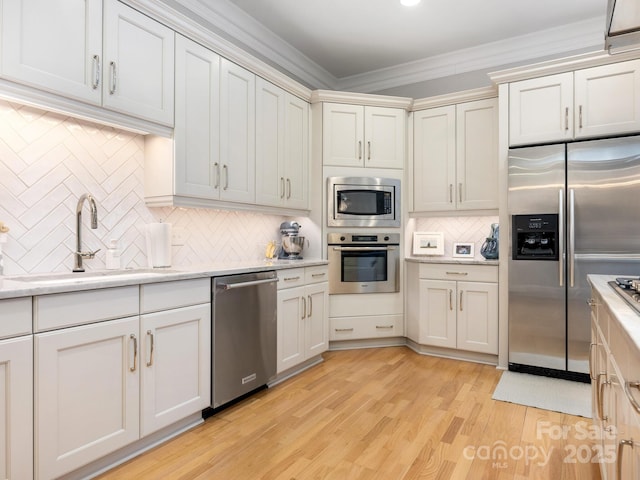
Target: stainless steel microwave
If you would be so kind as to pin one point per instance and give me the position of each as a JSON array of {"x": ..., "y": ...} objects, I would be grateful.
[{"x": 363, "y": 202}]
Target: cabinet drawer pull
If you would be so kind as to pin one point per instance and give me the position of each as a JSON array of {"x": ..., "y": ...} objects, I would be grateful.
[
  {"x": 314, "y": 275},
  {"x": 289, "y": 279},
  {"x": 384, "y": 326},
  {"x": 457, "y": 273},
  {"x": 151, "y": 337},
  {"x": 344, "y": 329},
  {"x": 96, "y": 72},
  {"x": 621, "y": 444},
  {"x": 135, "y": 353},
  {"x": 112, "y": 88},
  {"x": 634, "y": 402}
]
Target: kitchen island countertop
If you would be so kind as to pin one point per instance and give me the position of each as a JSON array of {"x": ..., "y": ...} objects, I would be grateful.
[
  {"x": 27, "y": 285},
  {"x": 628, "y": 319}
]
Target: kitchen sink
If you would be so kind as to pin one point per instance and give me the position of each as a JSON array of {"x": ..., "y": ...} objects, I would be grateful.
[{"x": 61, "y": 278}]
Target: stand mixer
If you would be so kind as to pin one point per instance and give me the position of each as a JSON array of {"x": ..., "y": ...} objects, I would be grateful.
[{"x": 292, "y": 243}]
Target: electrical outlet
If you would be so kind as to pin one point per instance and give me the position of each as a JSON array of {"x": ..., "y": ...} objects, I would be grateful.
[{"x": 178, "y": 236}]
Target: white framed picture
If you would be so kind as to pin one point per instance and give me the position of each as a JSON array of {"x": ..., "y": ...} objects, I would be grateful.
[
  {"x": 464, "y": 250},
  {"x": 428, "y": 243}
]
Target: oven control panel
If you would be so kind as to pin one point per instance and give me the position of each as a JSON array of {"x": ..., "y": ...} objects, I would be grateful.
[{"x": 363, "y": 239}]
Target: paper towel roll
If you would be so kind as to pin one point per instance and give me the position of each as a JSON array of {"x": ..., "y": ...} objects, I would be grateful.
[{"x": 158, "y": 244}]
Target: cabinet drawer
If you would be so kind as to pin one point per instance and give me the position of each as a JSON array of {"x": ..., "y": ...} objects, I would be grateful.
[
  {"x": 353, "y": 328},
  {"x": 181, "y": 293},
  {"x": 470, "y": 273},
  {"x": 76, "y": 308},
  {"x": 15, "y": 317},
  {"x": 291, "y": 277},
  {"x": 316, "y": 274}
]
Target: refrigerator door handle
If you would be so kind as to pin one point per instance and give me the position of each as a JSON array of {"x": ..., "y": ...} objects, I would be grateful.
[
  {"x": 561, "y": 253},
  {"x": 572, "y": 243}
]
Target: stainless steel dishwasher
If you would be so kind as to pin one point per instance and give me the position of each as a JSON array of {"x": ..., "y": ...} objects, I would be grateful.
[{"x": 244, "y": 334}]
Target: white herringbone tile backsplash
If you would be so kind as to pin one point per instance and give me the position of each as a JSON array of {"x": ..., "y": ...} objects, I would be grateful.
[
  {"x": 457, "y": 229},
  {"x": 48, "y": 160}
]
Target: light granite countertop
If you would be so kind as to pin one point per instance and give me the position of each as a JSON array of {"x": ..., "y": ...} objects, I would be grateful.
[
  {"x": 58, "y": 282},
  {"x": 452, "y": 260},
  {"x": 626, "y": 316}
]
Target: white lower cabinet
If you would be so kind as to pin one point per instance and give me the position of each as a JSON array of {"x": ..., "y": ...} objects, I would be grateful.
[
  {"x": 614, "y": 367},
  {"x": 16, "y": 408},
  {"x": 86, "y": 394},
  {"x": 175, "y": 365},
  {"x": 303, "y": 315},
  {"x": 103, "y": 385},
  {"x": 451, "y": 313}
]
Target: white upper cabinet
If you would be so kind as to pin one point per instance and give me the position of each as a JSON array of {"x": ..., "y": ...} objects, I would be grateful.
[
  {"x": 138, "y": 64},
  {"x": 363, "y": 136},
  {"x": 541, "y": 109},
  {"x": 54, "y": 45},
  {"x": 196, "y": 133},
  {"x": 592, "y": 102},
  {"x": 282, "y": 142},
  {"x": 607, "y": 99},
  {"x": 456, "y": 157},
  {"x": 59, "y": 46},
  {"x": 237, "y": 133}
]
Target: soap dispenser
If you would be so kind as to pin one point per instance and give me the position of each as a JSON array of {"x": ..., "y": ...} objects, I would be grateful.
[{"x": 113, "y": 255}]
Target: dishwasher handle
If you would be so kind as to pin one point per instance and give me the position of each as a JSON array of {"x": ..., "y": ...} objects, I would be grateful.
[{"x": 231, "y": 286}]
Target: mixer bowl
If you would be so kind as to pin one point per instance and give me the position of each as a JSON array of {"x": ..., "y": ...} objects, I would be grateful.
[{"x": 293, "y": 245}]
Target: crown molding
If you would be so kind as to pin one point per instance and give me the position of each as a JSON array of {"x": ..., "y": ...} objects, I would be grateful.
[
  {"x": 568, "y": 64},
  {"x": 458, "y": 97},
  {"x": 200, "y": 33},
  {"x": 556, "y": 41},
  {"x": 318, "y": 96},
  {"x": 235, "y": 22}
]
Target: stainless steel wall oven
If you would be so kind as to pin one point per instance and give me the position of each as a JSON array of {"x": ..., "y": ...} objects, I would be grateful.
[{"x": 363, "y": 263}]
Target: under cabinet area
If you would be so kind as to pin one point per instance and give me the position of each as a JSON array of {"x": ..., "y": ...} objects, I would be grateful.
[
  {"x": 455, "y": 160},
  {"x": 591, "y": 102},
  {"x": 453, "y": 306},
  {"x": 363, "y": 136},
  {"x": 122, "y": 59},
  {"x": 303, "y": 315}
]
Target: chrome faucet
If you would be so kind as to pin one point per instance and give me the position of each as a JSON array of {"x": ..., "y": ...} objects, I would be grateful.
[{"x": 79, "y": 254}]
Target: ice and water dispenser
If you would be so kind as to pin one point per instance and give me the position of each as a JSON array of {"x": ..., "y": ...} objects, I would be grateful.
[{"x": 535, "y": 237}]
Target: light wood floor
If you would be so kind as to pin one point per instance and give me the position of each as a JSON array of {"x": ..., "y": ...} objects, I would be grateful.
[{"x": 385, "y": 414}]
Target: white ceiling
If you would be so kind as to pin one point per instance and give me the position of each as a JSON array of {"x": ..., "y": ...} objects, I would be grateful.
[{"x": 356, "y": 43}]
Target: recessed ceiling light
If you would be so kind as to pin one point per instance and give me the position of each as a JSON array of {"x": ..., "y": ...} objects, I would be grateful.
[{"x": 409, "y": 3}]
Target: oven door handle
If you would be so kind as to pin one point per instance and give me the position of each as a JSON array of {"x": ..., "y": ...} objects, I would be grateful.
[{"x": 364, "y": 249}]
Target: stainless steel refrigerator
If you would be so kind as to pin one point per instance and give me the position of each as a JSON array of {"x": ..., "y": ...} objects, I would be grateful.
[{"x": 574, "y": 210}]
